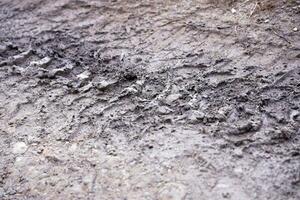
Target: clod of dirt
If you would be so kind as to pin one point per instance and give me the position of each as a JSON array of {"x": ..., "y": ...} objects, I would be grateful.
[
  {"x": 63, "y": 71},
  {"x": 195, "y": 116},
  {"x": 164, "y": 110},
  {"x": 3, "y": 48},
  {"x": 16, "y": 59},
  {"x": 172, "y": 97},
  {"x": 84, "y": 75},
  {"x": 102, "y": 85},
  {"x": 40, "y": 63}
]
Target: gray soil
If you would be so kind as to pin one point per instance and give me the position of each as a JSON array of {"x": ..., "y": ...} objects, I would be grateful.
[{"x": 149, "y": 99}]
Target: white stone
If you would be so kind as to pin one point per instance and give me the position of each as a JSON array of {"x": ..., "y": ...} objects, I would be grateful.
[
  {"x": 19, "y": 148},
  {"x": 84, "y": 75}
]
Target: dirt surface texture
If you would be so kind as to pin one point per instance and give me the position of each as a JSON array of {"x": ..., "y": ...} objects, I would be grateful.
[{"x": 126, "y": 99}]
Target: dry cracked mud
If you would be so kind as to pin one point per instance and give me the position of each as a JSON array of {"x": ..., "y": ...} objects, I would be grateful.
[{"x": 121, "y": 99}]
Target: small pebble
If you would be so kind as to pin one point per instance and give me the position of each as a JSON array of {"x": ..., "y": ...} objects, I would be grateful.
[
  {"x": 19, "y": 148},
  {"x": 233, "y": 11},
  {"x": 84, "y": 75}
]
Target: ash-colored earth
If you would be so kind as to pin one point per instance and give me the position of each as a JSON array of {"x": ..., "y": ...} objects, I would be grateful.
[{"x": 125, "y": 99}]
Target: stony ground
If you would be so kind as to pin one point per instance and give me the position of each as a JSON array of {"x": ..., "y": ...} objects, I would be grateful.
[{"x": 149, "y": 99}]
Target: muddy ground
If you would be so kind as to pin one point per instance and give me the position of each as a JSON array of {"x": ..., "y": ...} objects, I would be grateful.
[{"x": 149, "y": 99}]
